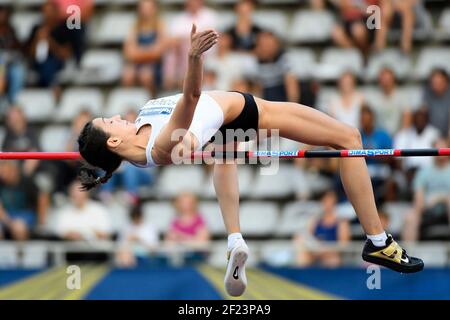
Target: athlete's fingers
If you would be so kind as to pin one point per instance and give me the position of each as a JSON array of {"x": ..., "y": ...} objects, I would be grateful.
[
  {"x": 206, "y": 33},
  {"x": 208, "y": 41},
  {"x": 209, "y": 44},
  {"x": 210, "y": 37},
  {"x": 194, "y": 29}
]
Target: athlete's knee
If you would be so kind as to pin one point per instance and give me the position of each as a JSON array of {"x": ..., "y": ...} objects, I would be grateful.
[{"x": 353, "y": 139}]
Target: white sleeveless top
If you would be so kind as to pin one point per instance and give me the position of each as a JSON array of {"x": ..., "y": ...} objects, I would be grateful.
[
  {"x": 349, "y": 115},
  {"x": 208, "y": 118}
]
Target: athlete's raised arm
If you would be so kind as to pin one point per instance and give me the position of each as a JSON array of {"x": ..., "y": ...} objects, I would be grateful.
[{"x": 184, "y": 112}]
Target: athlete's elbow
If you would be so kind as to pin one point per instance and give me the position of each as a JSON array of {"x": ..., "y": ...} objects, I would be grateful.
[{"x": 191, "y": 99}]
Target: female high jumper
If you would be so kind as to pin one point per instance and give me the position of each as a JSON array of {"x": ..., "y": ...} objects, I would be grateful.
[{"x": 106, "y": 142}]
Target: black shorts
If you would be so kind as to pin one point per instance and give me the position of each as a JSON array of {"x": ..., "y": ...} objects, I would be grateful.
[{"x": 247, "y": 121}]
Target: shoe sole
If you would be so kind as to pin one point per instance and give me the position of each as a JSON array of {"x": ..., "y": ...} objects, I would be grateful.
[
  {"x": 392, "y": 265},
  {"x": 238, "y": 258}
]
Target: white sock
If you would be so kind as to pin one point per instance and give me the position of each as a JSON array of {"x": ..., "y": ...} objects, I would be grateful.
[
  {"x": 378, "y": 240},
  {"x": 232, "y": 239}
]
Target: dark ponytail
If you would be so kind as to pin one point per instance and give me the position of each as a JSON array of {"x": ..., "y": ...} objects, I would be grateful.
[{"x": 93, "y": 148}]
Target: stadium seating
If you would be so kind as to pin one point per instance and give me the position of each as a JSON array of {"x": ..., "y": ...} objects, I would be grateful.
[
  {"x": 443, "y": 28},
  {"x": 159, "y": 214},
  {"x": 303, "y": 62},
  {"x": 245, "y": 178},
  {"x": 295, "y": 217},
  {"x": 430, "y": 58},
  {"x": 258, "y": 217},
  {"x": 268, "y": 206},
  {"x": 176, "y": 179},
  {"x": 273, "y": 20},
  {"x": 393, "y": 58},
  {"x": 23, "y": 23},
  {"x": 99, "y": 67},
  {"x": 276, "y": 253},
  {"x": 112, "y": 28},
  {"x": 37, "y": 104},
  {"x": 54, "y": 138},
  {"x": 311, "y": 26},
  {"x": 120, "y": 100},
  {"x": 118, "y": 214},
  {"x": 396, "y": 212},
  {"x": 2, "y": 136},
  {"x": 210, "y": 211},
  {"x": 75, "y": 100},
  {"x": 272, "y": 181},
  {"x": 335, "y": 61}
]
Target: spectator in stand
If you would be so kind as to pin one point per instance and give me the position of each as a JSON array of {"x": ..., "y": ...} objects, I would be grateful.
[
  {"x": 327, "y": 229},
  {"x": 12, "y": 72},
  {"x": 346, "y": 106},
  {"x": 352, "y": 30},
  {"x": 375, "y": 137},
  {"x": 274, "y": 74},
  {"x": 50, "y": 45},
  {"x": 245, "y": 84},
  {"x": 136, "y": 240},
  {"x": 129, "y": 178},
  {"x": 394, "y": 10},
  {"x": 19, "y": 136},
  {"x": 431, "y": 196},
  {"x": 437, "y": 100},
  {"x": 67, "y": 12},
  {"x": 227, "y": 65},
  {"x": 313, "y": 176},
  {"x": 188, "y": 226},
  {"x": 66, "y": 171},
  {"x": 175, "y": 63},
  {"x": 145, "y": 39},
  {"x": 82, "y": 218},
  {"x": 22, "y": 206},
  {"x": 3, "y": 102},
  {"x": 244, "y": 33},
  {"x": 77, "y": 124},
  {"x": 392, "y": 110},
  {"x": 420, "y": 135}
]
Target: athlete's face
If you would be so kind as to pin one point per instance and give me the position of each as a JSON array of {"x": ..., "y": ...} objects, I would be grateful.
[{"x": 120, "y": 131}]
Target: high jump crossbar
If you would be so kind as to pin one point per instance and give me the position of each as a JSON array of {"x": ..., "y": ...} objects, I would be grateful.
[{"x": 362, "y": 153}]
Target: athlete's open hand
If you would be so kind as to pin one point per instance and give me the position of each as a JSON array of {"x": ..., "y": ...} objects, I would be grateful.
[{"x": 202, "y": 41}]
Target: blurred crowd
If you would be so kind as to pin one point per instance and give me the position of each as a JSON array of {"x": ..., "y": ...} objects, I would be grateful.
[{"x": 154, "y": 54}]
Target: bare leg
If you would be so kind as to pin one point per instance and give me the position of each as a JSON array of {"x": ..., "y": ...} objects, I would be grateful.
[
  {"x": 227, "y": 190},
  {"x": 307, "y": 125},
  {"x": 387, "y": 13},
  {"x": 359, "y": 33},
  {"x": 406, "y": 9},
  {"x": 341, "y": 38}
]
